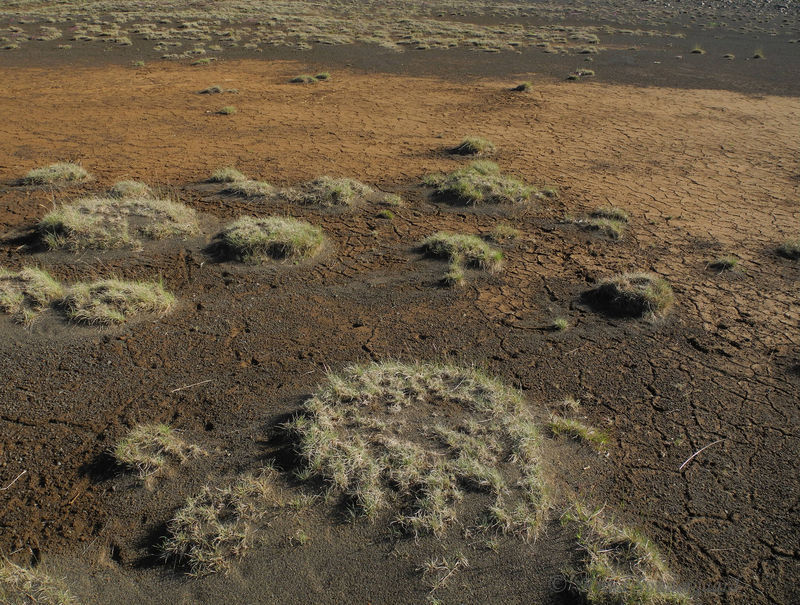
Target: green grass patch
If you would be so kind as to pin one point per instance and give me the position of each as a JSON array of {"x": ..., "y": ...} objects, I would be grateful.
[
  {"x": 256, "y": 240},
  {"x": 560, "y": 324},
  {"x": 473, "y": 146},
  {"x": 575, "y": 429},
  {"x": 113, "y": 301},
  {"x": 104, "y": 223},
  {"x": 376, "y": 435},
  {"x": 724, "y": 263},
  {"x": 330, "y": 192},
  {"x": 303, "y": 79},
  {"x": 635, "y": 295},
  {"x": 228, "y": 110},
  {"x": 25, "y": 294},
  {"x": 482, "y": 183},
  {"x": 61, "y": 173},
  {"x": 150, "y": 449},
  {"x": 503, "y": 232},
  {"x": 31, "y": 586}
]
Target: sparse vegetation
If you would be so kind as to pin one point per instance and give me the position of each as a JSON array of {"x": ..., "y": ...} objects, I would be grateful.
[
  {"x": 26, "y": 293},
  {"x": 228, "y": 110},
  {"x": 226, "y": 175},
  {"x": 361, "y": 435},
  {"x": 724, "y": 263},
  {"x": 790, "y": 249},
  {"x": 620, "y": 565},
  {"x": 31, "y": 586},
  {"x": 439, "y": 570},
  {"x": 113, "y": 301},
  {"x": 256, "y": 240},
  {"x": 61, "y": 173},
  {"x": 323, "y": 76},
  {"x": 559, "y": 425},
  {"x": 580, "y": 73},
  {"x": 524, "y": 87},
  {"x": 385, "y": 213},
  {"x": 611, "y": 228},
  {"x": 504, "y": 232},
  {"x": 125, "y": 189},
  {"x": 250, "y": 188},
  {"x": 329, "y": 191},
  {"x": 151, "y": 448},
  {"x": 218, "y": 525},
  {"x": 612, "y": 213},
  {"x": 103, "y": 223},
  {"x": 482, "y": 183},
  {"x": 459, "y": 248},
  {"x": 303, "y": 79},
  {"x": 635, "y": 294},
  {"x": 474, "y": 146},
  {"x": 560, "y": 324}
]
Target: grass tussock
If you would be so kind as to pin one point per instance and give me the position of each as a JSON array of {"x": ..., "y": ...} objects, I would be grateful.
[
  {"x": 503, "y": 232},
  {"x": 469, "y": 250},
  {"x": 250, "y": 188},
  {"x": 612, "y": 213},
  {"x": 226, "y": 175},
  {"x": 25, "y": 294},
  {"x": 113, "y": 301},
  {"x": 328, "y": 191},
  {"x": 31, "y": 586},
  {"x": 608, "y": 227},
  {"x": 724, "y": 263},
  {"x": 219, "y": 524},
  {"x": 575, "y": 429},
  {"x": 620, "y": 565},
  {"x": 482, "y": 183},
  {"x": 115, "y": 222},
  {"x": 377, "y": 435},
  {"x": 151, "y": 449},
  {"x": 523, "y": 87},
  {"x": 635, "y": 295},
  {"x": 256, "y": 240},
  {"x": 56, "y": 174},
  {"x": 790, "y": 249},
  {"x": 128, "y": 189},
  {"x": 474, "y": 146}
]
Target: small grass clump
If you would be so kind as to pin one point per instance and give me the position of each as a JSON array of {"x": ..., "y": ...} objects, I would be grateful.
[
  {"x": 724, "y": 263},
  {"x": 482, "y": 183},
  {"x": 503, "y": 232},
  {"x": 322, "y": 76},
  {"x": 303, "y": 79},
  {"x": 212, "y": 90},
  {"x": 330, "y": 192},
  {"x": 580, "y": 73},
  {"x": 523, "y": 87},
  {"x": 105, "y": 223},
  {"x": 226, "y": 175},
  {"x": 460, "y": 248},
  {"x": 228, "y": 110},
  {"x": 125, "y": 189},
  {"x": 790, "y": 249},
  {"x": 151, "y": 448},
  {"x": 385, "y": 213},
  {"x": 61, "y": 173},
  {"x": 378, "y": 436},
  {"x": 620, "y": 565},
  {"x": 635, "y": 295},
  {"x": 559, "y": 425},
  {"x": 759, "y": 54},
  {"x": 611, "y": 228},
  {"x": 560, "y": 324},
  {"x": 612, "y": 213},
  {"x": 256, "y": 240},
  {"x": 697, "y": 50},
  {"x": 31, "y": 586},
  {"x": 473, "y": 146},
  {"x": 250, "y": 188},
  {"x": 113, "y": 301},
  {"x": 26, "y": 293},
  {"x": 218, "y": 525}
]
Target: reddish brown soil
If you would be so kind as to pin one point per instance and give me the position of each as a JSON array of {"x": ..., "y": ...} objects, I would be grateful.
[{"x": 703, "y": 173}]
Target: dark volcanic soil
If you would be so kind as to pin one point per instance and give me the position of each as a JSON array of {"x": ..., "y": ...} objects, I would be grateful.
[{"x": 702, "y": 173}]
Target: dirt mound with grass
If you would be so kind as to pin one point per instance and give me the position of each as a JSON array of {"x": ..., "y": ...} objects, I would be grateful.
[
  {"x": 329, "y": 192},
  {"x": 26, "y": 293},
  {"x": 115, "y": 222},
  {"x": 256, "y": 240},
  {"x": 634, "y": 295},
  {"x": 482, "y": 183}
]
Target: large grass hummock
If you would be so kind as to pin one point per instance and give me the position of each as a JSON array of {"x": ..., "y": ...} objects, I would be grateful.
[
  {"x": 414, "y": 441},
  {"x": 635, "y": 295},
  {"x": 115, "y": 222},
  {"x": 113, "y": 301},
  {"x": 256, "y": 240},
  {"x": 482, "y": 183},
  {"x": 460, "y": 248}
]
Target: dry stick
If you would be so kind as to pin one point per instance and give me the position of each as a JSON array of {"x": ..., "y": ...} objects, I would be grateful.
[
  {"x": 2, "y": 489},
  {"x": 690, "y": 458},
  {"x": 189, "y": 386}
]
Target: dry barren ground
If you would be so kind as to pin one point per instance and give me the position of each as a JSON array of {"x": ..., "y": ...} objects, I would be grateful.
[{"x": 702, "y": 174}]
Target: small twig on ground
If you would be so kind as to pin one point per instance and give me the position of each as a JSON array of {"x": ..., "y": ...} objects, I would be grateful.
[
  {"x": 189, "y": 386},
  {"x": 2, "y": 489},
  {"x": 690, "y": 458}
]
